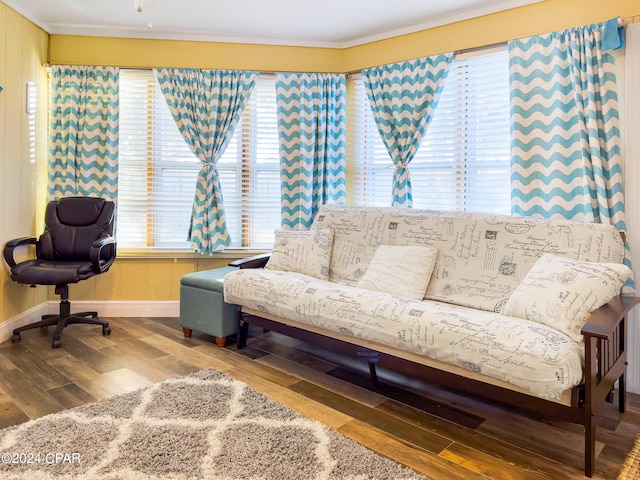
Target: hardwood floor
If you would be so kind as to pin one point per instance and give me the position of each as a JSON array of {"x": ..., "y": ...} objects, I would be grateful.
[{"x": 441, "y": 433}]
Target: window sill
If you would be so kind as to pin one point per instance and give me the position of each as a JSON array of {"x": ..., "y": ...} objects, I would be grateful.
[{"x": 175, "y": 254}]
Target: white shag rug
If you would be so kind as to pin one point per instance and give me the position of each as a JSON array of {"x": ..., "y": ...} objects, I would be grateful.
[{"x": 204, "y": 426}]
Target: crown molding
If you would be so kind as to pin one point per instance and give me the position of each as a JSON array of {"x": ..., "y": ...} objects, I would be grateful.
[{"x": 157, "y": 34}]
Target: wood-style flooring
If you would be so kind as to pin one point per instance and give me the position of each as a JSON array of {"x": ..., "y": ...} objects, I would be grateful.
[{"x": 440, "y": 433}]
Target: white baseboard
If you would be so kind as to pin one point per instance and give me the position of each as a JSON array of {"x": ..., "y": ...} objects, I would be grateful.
[
  {"x": 30, "y": 316},
  {"x": 123, "y": 308},
  {"x": 120, "y": 308}
]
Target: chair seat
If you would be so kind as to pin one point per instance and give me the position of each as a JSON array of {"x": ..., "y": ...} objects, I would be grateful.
[{"x": 50, "y": 272}]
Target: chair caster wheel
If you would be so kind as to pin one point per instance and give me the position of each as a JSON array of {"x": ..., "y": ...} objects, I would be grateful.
[
  {"x": 57, "y": 343},
  {"x": 15, "y": 338},
  {"x": 106, "y": 330}
]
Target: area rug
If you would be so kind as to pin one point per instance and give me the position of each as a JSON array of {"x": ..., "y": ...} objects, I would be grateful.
[
  {"x": 204, "y": 426},
  {"x": 631, "y": 467}
]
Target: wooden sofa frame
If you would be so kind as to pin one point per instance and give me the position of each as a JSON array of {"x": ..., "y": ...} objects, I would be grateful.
[{"x": 605, "y": 364}]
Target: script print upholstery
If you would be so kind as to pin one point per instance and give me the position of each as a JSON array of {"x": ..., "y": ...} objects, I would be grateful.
[
  {"x": 524, "y": 353},
  {"x": 481, "y": 258},
  {"x": 562, "y": 293},
  {"x": 305, "y": 252}
]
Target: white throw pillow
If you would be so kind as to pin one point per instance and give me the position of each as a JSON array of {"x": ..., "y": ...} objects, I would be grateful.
[
  {"x": 401, "y": 270},
  {"x": 307, "y": 252},
  {"x": 561, "y": 293}
]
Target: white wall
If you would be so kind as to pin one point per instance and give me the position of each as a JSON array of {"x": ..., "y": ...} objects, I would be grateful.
[{"x": 630, "y": 122}]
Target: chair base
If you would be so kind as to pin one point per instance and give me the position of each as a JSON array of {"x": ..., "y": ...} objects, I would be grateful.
[{"x": 61, "y": 321}]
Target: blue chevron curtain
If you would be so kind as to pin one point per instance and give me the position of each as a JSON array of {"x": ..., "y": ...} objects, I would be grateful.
[
  {"x": 403, "y": 98},
  {"x": 206, "y": 106},
  {"x": 83, "y": 148},
  {"x": 311, "y": 131},
  {"x": 565, "y": 144}
]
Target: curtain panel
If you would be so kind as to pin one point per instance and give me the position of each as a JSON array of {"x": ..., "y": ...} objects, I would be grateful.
[
  {"x": 206, "y": 106},
  {"x": 565, "y": 138},
  {"x": 311, "y": 111},
  {"x": 403, "y": 98},
  {"x": 83, "y": 142}
]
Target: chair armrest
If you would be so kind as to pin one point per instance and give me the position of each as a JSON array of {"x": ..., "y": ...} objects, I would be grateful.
[
  {"x": 11, "y": 245},
  {"x": 256, "y": 261},
  {"x": 605, "y": 319},
  {"x": 103, "y": 253}
]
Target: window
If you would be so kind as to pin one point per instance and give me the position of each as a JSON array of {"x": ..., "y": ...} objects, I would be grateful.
[
  {"x": 157, "y": 171},
  {"x": 464, "y": 160}
]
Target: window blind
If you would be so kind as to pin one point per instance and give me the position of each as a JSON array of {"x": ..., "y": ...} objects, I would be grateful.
[
  {"x": 250, "y": 171},
  {"x": 463, "y": 162},
  {"x": 31, "y": 113},
  {"x": 157, "y": 170}
]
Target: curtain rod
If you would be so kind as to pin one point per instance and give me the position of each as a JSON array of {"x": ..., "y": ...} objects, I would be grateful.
[
  {"x": 478, "y": 49},
  {"x": 262, "y": 72}
]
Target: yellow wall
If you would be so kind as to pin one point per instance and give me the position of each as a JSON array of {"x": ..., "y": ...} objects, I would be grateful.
[
  {"x": 141, "y": 53},
  {"x": 152, "y": 279},
  {"x": 23, "y": 50},
  {"x": 535, "y": 19},
  {"x": 158, "y": 278}
]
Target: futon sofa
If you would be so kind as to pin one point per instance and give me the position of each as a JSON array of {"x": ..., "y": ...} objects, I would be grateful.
[{"x": 523, "y": 311}]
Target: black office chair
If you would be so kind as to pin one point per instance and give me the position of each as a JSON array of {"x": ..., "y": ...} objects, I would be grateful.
[{"x": 77, "y": 244}]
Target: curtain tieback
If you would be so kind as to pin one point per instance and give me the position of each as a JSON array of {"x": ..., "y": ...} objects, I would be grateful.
[{"x": 210, "y": 167}]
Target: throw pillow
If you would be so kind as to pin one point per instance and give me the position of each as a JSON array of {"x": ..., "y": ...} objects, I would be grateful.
[
  {"x": 561, "y": 293},
  {"x": 307, "y": 252},
  {"x": 403, "y": 270}
]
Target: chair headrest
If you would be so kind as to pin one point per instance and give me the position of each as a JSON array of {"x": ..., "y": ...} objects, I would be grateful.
[
  {"x": 79, "y": 211},
  {"x": 72, "y": 225}
]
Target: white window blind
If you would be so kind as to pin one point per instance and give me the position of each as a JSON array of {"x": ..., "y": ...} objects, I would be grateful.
[
  {"x": 157, "y": 171},
  {"x": 31, "y": 112},
  {"x": 464, "y": 160}
]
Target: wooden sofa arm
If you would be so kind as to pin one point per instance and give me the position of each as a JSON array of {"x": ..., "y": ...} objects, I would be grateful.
[
  {"x": 256, "y": 261},
  {"x": 606, "y": 319}
]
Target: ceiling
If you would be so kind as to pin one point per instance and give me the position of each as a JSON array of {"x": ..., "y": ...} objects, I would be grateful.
[{"x": 322, "y": 23}]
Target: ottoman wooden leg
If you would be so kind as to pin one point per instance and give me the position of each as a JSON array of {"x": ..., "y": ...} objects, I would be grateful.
[
  {"x": 221, "y": 341},
  {"x": 186, "y": 331}
]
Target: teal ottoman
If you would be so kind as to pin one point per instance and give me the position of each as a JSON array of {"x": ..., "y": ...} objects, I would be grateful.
[{"x": 202, "y": 305}]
